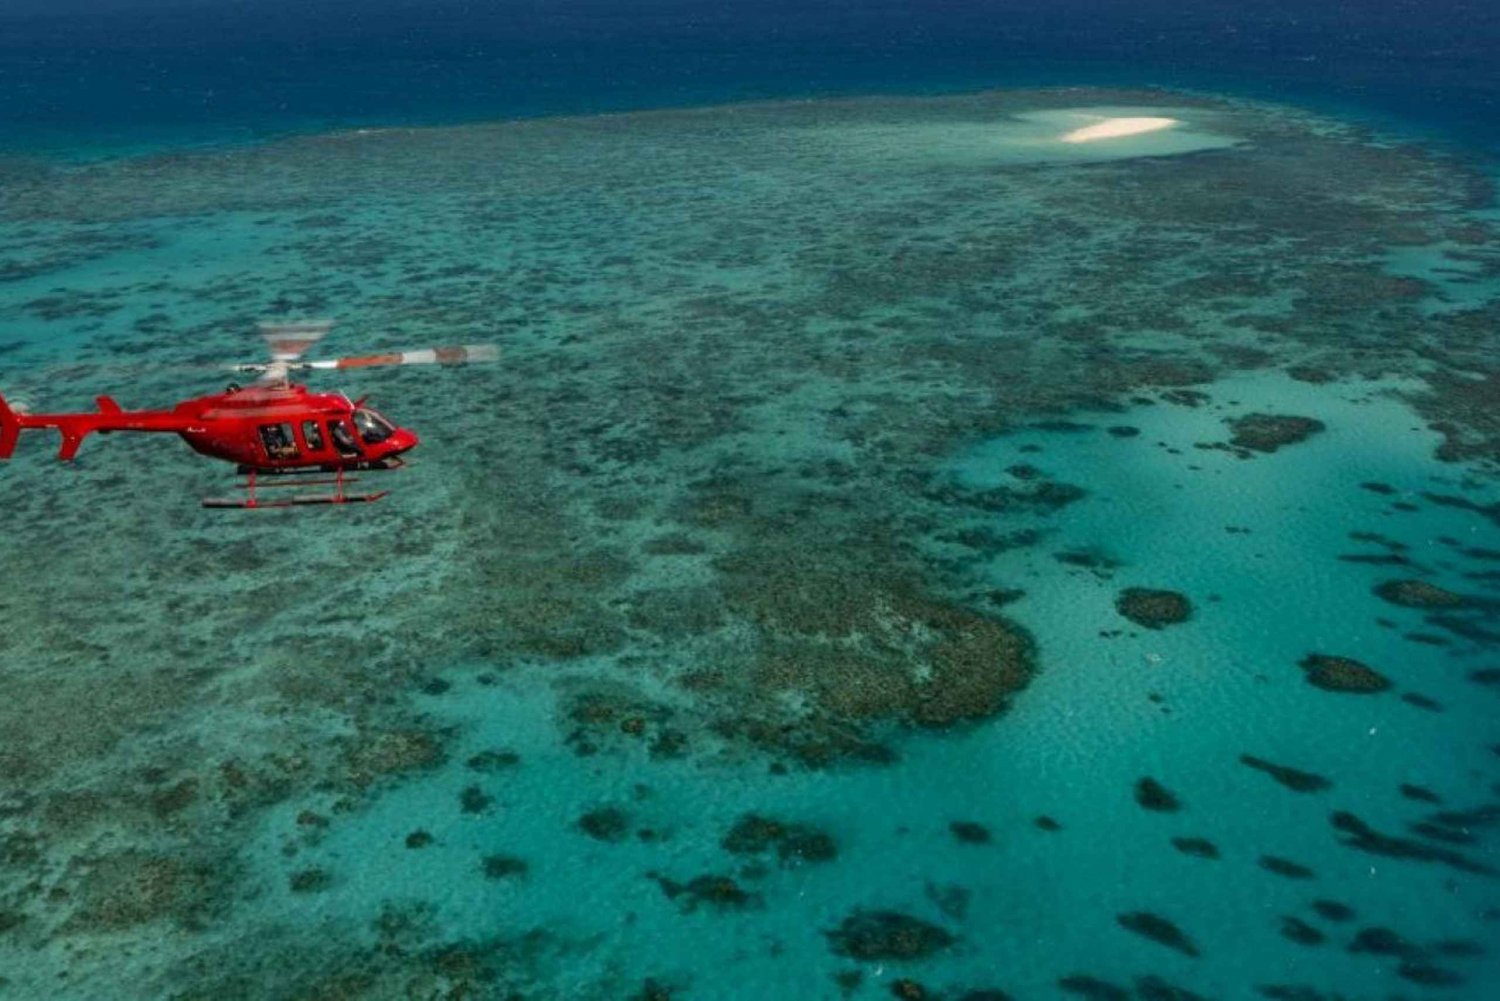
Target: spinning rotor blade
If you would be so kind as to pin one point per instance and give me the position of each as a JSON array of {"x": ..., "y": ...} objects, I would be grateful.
[
  {"x": 290, "y": 341},
  {"x": 461, "y": 355}
]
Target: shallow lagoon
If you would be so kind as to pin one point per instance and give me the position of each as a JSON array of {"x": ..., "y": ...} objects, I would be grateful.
[{"x": 826, "y": 438}]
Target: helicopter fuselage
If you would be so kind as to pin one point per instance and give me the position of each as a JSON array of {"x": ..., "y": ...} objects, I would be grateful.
[{"x": 268, "y": 428}]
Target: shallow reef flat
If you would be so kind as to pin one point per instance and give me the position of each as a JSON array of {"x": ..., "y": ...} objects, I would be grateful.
[{"x": 886, "y": 561}]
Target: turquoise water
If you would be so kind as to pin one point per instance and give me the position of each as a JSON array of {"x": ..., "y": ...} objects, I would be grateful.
[{"x": 827, "y": 437}]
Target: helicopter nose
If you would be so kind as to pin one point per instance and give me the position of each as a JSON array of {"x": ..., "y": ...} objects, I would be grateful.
[{"x": 403, "y": 440}]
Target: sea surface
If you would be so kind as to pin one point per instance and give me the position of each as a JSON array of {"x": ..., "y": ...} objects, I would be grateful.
[{"x": 900, "y": 552}]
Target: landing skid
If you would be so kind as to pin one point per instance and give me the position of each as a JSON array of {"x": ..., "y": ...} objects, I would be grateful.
[{"x": 339, "y": 495}]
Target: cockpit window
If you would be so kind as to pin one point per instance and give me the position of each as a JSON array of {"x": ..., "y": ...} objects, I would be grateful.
[{"x": 372, "y": 427}]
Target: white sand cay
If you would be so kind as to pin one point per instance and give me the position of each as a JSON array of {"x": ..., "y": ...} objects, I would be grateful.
[
  {"x": 1116, "y": 128},
  {"x": 1004, "y": 134}
]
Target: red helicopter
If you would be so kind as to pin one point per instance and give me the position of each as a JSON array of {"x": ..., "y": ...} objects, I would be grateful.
[{"x": 272, "y": 427}]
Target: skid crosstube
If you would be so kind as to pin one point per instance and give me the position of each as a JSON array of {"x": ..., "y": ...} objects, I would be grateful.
[
  {"x": 253, "y": 483},
  {"x": 302, "y": 501}
]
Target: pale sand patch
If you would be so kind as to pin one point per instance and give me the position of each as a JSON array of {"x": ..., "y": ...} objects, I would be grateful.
[{"x": 1115, "y": 128}]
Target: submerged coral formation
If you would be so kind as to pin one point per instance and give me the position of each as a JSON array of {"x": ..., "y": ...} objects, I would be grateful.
[
  {"x": 1159, "y": 930},
  {"x": 887, "y": 935},
  {"x": 1294, "y": 779},
  {"x": 1153, "y": 608},
  {"x": 1268, "y": 432},
  {"x": 1342, "y": 674}
]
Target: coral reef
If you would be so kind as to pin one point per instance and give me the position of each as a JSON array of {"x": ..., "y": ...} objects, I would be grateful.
[
  {"x": 1292, "y": 778},
  {"x": 1153, "y": 608},
  {"x": 1365, "y": 838},
  {"x": 1159, "y": 930},
  {"x": 1197, "y": 847},
  {"x": 753, "y": 834},
  {"x": 1154, "y": 796},
  {"x": 1268, "y": 432},
  {"x": 1342, "y": 674},
  {"x": 705, "y": 505},
  {"x": 970, "y": 833},
  {"x": 1299, "y": 931},
  {"x": 1418, "y": 594},
  {"x": 718, "y": 892},
  {"x": 1285, "y": 867},
  {"x": 1154, "y": 988},
  {"x": 1094, "y": 989},
  {"x": 501, "y": 866},
  {"x": 887, "y": 935},
  {"x": 1332, "y": 910},
  {"x": 605, "y": 823}
]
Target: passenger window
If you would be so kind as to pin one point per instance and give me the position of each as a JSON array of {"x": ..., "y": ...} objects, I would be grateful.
[
  {"x": 278, "y": 441},
  {"x": 343, "y": 438},
  {"x": 313, "y": 435}
]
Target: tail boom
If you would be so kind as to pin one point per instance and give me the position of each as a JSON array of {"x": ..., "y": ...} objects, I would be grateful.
[{"x": 75, "y": 427}]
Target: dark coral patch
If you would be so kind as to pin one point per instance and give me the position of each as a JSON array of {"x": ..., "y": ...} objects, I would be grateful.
[
  {"x": 493, "y": 760},
  {"x": 1092, "y": 988},
  {"x": 1285, "y": 867},
  {"x": 1046, "y": 823},
  {"x": 1299, "y": 931},
  {"x": 607, "y": 823},
  {"x": 1332, "y": 910},
  {"x": 1154, "y": 988},
  {"x": 1295, "y": 992},
  {"x": 882, "y": 935},
  {"x": 752, "y": 834},
  {"x": 475, "y": 800},
  {"x": 1153, "y": 608},
  {"x": 310, "y": 881},
  {"x": 970, "y": 833},
  {"x": 1342, "y": 674},
  {"x": 1363, "y": 837},
  {"x": 1426, "y": 974},
  {"x": 1152, "y": 795},
  {"x": 652, "y": 990},
  {"x": 1196, "y": 847},
  {"x": 1293, "y": 778},
  {"x": 806, "y": 844},
  {"x": 503, "y": 866},
  {"x": 1418, "y": 594},
  {"x": 721, "y": 893},
  {"x": 1159, "y": 930},
  {"x": 1382, "y": 942},
  {"x": 1268, "y": 432}
]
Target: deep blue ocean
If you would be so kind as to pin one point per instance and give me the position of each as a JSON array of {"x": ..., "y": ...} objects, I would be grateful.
[{"x": 120, "y": 71}]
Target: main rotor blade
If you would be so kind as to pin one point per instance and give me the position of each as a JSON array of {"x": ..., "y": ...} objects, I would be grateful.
[
  {"x": 290, "y": 341},
  {"x": 461, "y": 355}
]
